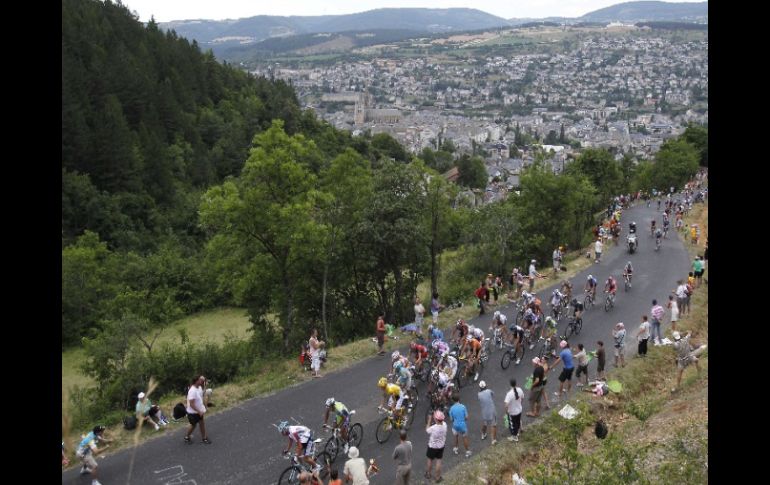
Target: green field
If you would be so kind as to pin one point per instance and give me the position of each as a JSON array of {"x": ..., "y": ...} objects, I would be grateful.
[{"x": 212, "y": 325}]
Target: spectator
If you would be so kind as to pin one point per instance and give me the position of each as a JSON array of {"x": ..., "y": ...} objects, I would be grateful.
[
  {"x": 436, "y": 430},
  {"x": 355, "y": 468},
  {"x": 459, "y": 414},
  {"x": 88, "y": 449},
  {"x": 600, "y": 360},
  {"x": 490, "y": 286},
  {"x": 334, "y": 477},
  {"x": 488, "y": 414},
  {"x": 538, "y": 384},
  {"x": 556, "y": 260},
  {"x": 514, "y": 408},
  {"x": 482, "y": 293},
  {"x": 435, "y": 307},
  {"x": 147, "y": 412},
  {"x": 196, "y": 409},
  {"x": 598, "y": 249},
  {"x": 533, "y": 274},
  {"x": 657, "y": 312},
  {"x": 380, "y": 334},
  {"x": 64, "y": 460},
  {"x": 643, "y": 335},
  {"x": 582, "y": 365},
  {"x": 672, "y": 304},
  {"x": 419, "y": 315},
  {"x": 681, "y": 295},
  {"x": 315, "y": 347},
  {"x": 685, "y": 356},
  {"x": 565, "y": 356},
  {"x": 619, "y": 334},
  {"x": 403, "y": 456}
]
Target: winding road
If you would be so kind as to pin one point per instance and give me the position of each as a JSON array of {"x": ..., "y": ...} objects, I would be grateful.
[{"x": 247, "y": 448}]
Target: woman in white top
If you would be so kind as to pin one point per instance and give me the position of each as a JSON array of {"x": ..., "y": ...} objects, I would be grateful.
[
  {"x": 436, "y": 430},
  {"x": 672, "y": 304},
  {"x": 514, "y": 408}
]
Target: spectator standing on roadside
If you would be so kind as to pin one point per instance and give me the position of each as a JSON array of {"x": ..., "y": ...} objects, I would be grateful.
[
  {"x": 380, "y": 334},
  {"x": 582, "y": 365},
  {"x": 459, "y": 414},
  {"x": 355, "y": 469},
  {"x": 601, "y": 359},
  {"x": 598, "y": 249},
  {"x": 672, "y": 304},
  {"x": 538, "y": 386},
  {"x": 533, "y": 274},
  {"x": 402, "y": 454},
  {"x": 419, "y": 315},
  {"x": 681, "y": 294},
  {"x": 196, "y": 409},
  {"x": 436, "y": 430},
  {"x": 657, "y": 312},
  {"x": 513, "y": 407},
  {"x": 482, "y": 293},
  {"x": 315, "y": 346},
  {"x": 619, "y": 334},
  {"x": 642, "y": 336},
  {"x": 556, "y": 261},
  {"x": 488, "y": 414},
  {"x": 685, "y": 356},
  {"x": 435, "y": 307},
  {"x": 565, "y": 356}
]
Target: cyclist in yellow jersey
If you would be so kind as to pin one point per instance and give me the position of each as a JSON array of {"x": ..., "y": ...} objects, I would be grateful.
[{"x": 391, "y": 392}]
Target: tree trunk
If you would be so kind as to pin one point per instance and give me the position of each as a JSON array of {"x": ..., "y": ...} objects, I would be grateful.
[{"x": 398, "y": 315}]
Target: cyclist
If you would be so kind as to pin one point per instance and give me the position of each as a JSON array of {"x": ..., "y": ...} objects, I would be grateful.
[
  {"x": 531, "y": 320},
  {"x": 535, "y": 305},
  {"x": 449, "y": 366},
  {"x": 303, "y": 437},
  {"x": 549, "y": 333},
  {"x": 404, "y": 375},
  {"x": 342, "y": 418},
  {"x": 393, "y": 393},
  {"x": 517, "y": 336},
  {"x": 473, "y": 352},
  {"x": 476, "y": 333},
  {"x": 628, "y": 272},
  {"x": 556, "y": 299},
  {"x": 577, "y": 308},
  {"x": 396, "y": 357},
  {"x": 611, "y": 286},
  {"x": 461, "y": 329},
  {"x": 658, "y": 235},
  {"x": 632, "y": 228},
  {"x": 590, "y": 286},
  {"x": 420, "y": 353},
  {"x": 566, "y": 289},
  {"x": 499, "y": 321},
  {"x": 435, "y": 334},
  {"x": 652, "y": 225}
]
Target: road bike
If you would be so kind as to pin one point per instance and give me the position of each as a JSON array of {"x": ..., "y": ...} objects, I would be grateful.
[
  {"x": 464, "y": 374},
  {"x": 626, "y": 282},
  {"x": 497, "y": 339},
  {"x": 290, "y": 475},
  {"x": 609, "y": 302},
  {"x": 336, "y": 442},
  {"x": 588, "y": 301},
  {"x": 557, "y": 311},
  {"x": 657, "y": 243},
  {"x": 547, "y": 349},
  {"x": 574, "y": 325},
  {"x": 400, "y": 419},
  {"x": 422, "y": 371}
]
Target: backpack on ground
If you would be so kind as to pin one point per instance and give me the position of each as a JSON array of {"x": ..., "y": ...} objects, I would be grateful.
[
  {"x": 600, "y": 429},
  {"x": 179, "y": 411},
  {"x": 129, "y": 422}
]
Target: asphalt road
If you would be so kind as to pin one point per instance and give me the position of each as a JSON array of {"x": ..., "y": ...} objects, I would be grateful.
[{"x": 247, "y": 448}]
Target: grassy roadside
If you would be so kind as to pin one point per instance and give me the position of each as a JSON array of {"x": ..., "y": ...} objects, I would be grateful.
[
  {"x": 654, "y": 434},
  {"x": 215, "y": 324}
]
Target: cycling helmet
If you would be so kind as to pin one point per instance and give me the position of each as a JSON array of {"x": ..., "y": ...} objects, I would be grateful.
[
  {"x": 98, "y": 429},
  {"x": 628, "y": 263},
  {"x": 533, "y": 261},
  {"x": 283, "y": 427},
  {"x": 413, "y": 345},
  {"x": 330, "y": 402},
  {"x": 590, "y": 277},
  {"x": 550, "y": 320},
  {"x": 574, "y": 302},
  {"x": 382, "y": 382},
  {"x": 395, "y": 355},
  {"x": 438, "y": 416},
  {"x": 496, "y": 314},
  {"x": 459, "y": 322}
]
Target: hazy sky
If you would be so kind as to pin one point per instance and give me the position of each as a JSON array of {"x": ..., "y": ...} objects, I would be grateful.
[{"x": 166, "y": 10}]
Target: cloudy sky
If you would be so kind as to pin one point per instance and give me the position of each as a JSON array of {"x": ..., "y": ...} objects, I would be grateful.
[{"x": 167, "y": 10}]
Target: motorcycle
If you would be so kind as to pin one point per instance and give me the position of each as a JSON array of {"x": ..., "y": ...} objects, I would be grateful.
[{"x": 632, "y": 243}]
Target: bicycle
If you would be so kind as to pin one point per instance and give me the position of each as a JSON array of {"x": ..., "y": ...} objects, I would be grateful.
[
  {"x": 422, "y": 371},
  {"x": 398, "y": 420},
  {"x": 588, "y": 301},
  {"x": 626, "y": 282},
  {"x": 290, "y": 476},
  {"x": 609, "y": 302},
  {"x": 335, "y": 442},
  {"x": 657, "y": 243},
  {"x": 574, "y": 326},
  {"x": 497, "y": 339},
  {"x": 546, "y": 350},
  {"x": 557, "y": 311}
]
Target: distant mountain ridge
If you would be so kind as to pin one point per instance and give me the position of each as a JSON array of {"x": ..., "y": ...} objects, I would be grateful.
[{"x": 650, "y": 11}]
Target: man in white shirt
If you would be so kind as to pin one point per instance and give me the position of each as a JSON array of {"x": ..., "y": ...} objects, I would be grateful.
[
  {"x": 598, "y": 249},
  {"x": 355, "y": 468},
  {"x": 196, "y": 409}
]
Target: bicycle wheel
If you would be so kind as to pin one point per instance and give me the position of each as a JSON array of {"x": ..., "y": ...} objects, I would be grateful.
[
  {"x": 542, "y": 353},
  {"x": 607, "y": 304},
  {"x": 627, "y": 285},
  {"x": 409, "y": 416},
  {"x": 355, "y": 434},
  {"x": 506, "y": 360},
  {"x": 290, "y": 476},
  {"x": 587, "y": 302},
  {"x": 462, "y": 378},
  {"x": 578, "y": 325},
  {"x": 384, "y": 429},
  {"x": 570, "y": 328},
  {"x": 325, "y": 461},
  {"x": 414, "y": 397},
  {"x": 332, "y": 447}
]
